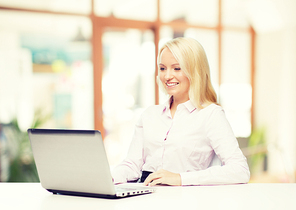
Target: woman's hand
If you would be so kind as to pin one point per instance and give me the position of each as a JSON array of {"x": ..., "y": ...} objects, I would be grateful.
[{"x": 163, "y": 177}]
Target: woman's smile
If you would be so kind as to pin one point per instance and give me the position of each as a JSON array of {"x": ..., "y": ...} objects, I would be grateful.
[{"x": 172, "y": 84}]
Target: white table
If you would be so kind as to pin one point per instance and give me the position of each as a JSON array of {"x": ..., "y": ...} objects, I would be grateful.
[{"x": 239, "y": 197}]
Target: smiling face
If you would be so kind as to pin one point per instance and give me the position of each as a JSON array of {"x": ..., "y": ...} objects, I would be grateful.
[{"x": 172, "y": 77}]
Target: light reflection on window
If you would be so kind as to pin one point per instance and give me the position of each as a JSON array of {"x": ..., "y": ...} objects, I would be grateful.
[
  {"x": 127, "y": 9},
  {"x": 197, "y": 12},
  {"x": 50, "y": 72},
  {"x": 236, "y": 90},
  {"x": 77, "y": 6},
  {"x": 128, "y": 86},
  {"x": 234, "y": 13},
  {"x": 236, "y": 100}
]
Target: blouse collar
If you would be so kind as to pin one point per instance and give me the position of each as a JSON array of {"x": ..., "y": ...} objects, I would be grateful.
[{"x": 188, "y": 105}]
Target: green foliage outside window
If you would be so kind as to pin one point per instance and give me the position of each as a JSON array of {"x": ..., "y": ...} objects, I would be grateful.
[{"x": 22, "y": 165}]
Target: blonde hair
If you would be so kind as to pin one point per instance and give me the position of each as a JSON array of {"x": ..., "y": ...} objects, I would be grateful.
[{"x": 194, "y": 63}]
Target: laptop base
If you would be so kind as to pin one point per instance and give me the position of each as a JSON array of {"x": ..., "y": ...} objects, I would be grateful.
[{"x": 92, "y": 195}]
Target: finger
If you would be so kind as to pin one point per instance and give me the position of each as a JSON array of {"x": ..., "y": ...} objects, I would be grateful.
[
  {"x": 156, "y": 182},
  {"x": 151, "y": 177},
  {"x": 148, "y": 179}
]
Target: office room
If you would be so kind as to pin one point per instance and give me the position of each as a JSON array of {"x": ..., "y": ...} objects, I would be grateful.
[{"x": 92, "y": 65}]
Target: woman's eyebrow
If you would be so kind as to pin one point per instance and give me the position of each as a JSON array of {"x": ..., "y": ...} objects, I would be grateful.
[{"x": 174, "y": 64}]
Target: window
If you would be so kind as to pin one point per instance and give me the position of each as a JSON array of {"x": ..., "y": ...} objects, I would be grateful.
[{"x": 46, "y": 72}]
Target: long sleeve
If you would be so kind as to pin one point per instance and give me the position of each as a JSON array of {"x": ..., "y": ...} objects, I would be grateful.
[
  {"x": 130, "y": 168},
  {"x": 234, "y": 167}
]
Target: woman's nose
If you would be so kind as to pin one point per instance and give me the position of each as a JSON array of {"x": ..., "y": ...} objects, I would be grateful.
[{"x": 169, "y": 75}]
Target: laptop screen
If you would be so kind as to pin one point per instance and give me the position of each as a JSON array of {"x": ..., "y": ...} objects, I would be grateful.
[{"x": 71, "y": 160}]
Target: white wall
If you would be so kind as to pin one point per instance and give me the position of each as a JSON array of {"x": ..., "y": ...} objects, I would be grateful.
[{"x": 276, "y": 89}]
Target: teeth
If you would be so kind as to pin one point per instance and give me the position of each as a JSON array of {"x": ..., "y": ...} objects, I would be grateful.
[{"x": 172, "y": 84}]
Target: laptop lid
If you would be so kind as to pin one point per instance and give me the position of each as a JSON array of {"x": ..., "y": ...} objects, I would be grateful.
[{"x": 71, "y": 161}]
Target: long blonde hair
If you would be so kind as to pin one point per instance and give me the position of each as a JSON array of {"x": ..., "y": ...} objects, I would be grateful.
[{"x": 194, "y": 63}]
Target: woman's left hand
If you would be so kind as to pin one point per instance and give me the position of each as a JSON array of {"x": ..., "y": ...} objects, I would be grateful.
[{"x": 163, "y": 177}]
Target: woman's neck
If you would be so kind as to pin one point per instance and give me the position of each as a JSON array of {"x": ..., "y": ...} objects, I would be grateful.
[
  {"x": 175, "y": 101},
  {"x": 174, "y": 104}
]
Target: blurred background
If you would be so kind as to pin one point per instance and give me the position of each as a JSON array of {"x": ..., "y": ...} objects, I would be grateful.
[{"x": 91, "y": 64}]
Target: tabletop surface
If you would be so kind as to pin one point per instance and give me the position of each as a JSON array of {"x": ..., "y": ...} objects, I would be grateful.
[{"x": 245, "y": 196}]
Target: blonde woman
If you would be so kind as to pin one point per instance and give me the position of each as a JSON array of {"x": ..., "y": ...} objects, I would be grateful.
[{"x": 175, "y": 143}]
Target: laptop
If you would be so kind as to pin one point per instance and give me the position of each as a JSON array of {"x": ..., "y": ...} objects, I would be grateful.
[{"x": 74, "y": 162}]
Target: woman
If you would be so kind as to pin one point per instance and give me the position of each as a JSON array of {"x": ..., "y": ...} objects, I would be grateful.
[{"x": 174, "y": 143}]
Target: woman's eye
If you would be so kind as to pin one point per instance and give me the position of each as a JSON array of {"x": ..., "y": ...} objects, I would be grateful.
[
  {"x": 177, "y": 69},
  {"x": 161, "y": 68}
]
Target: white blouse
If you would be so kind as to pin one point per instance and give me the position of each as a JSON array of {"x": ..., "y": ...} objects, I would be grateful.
[{"x": 185, "y": 144}]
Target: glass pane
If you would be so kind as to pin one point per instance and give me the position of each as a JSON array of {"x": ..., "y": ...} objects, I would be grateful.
[
  {"x": 128, "y": 86},
  {"x": 127, "y": 9},
  {"x": 236, "y": 100},
  {"x": 77, "y": 6},
  {"x": 234, "y": 13},
  {"x": 46, "y": 71},
  {"x": 197, "y": 12},
  {"x": 236, "y": 52},
  {"x": 235, "y": 90}
]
